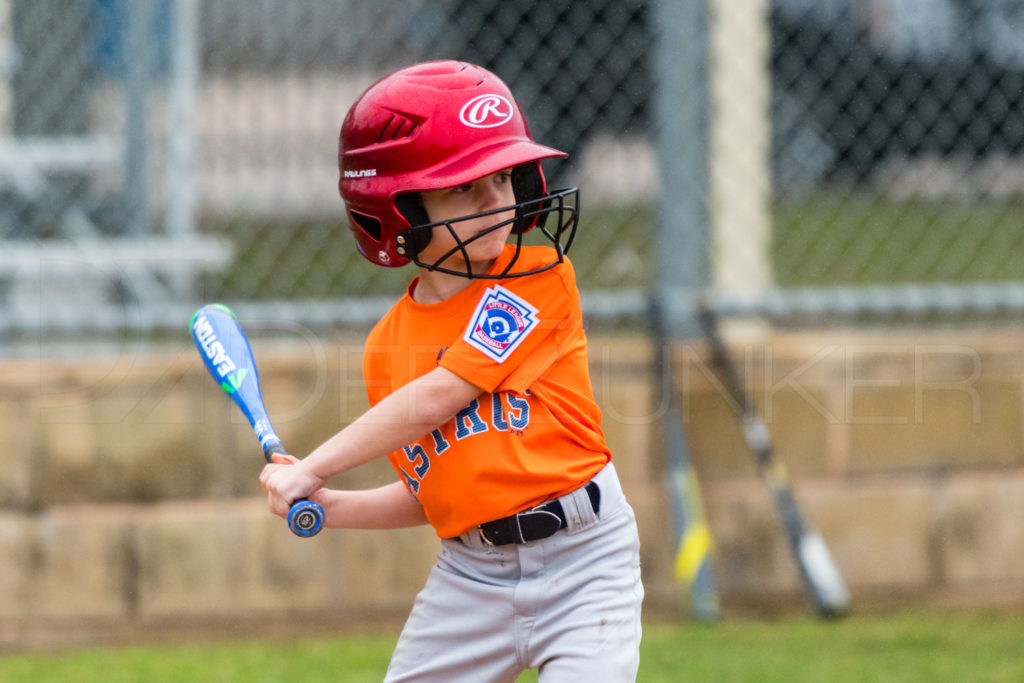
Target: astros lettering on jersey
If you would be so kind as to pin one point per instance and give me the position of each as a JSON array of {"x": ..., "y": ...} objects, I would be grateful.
[{"x": 534, "y": 434}]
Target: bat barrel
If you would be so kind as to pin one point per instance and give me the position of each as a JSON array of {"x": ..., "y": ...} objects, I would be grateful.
[{"x": 228, "y": 358}]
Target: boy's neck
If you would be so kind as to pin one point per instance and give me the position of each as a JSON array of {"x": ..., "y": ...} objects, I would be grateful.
[{"x": 433, "y": 287}]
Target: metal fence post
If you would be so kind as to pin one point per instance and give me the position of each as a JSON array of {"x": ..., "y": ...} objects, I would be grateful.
[
  {"x": 183, "y": 87},
  {"x": 681, "y": 137},
  {"x": 7, "y": 62},
  {"x": 138, "y": 61}
]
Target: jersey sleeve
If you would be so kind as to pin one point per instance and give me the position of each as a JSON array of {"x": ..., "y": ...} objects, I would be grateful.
[{"x": 517, "y": 330}]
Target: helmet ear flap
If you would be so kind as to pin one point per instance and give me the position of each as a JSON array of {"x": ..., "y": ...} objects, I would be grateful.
[
  {"x": 410, "y": 206},
  {"x": 528, "y": 186}
]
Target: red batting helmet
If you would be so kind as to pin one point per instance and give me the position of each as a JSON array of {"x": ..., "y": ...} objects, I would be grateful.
[{"x": 430, "y": 126}]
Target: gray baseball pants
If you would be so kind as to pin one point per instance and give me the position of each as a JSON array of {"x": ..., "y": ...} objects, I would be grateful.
[{"x": 568, "y": 605}]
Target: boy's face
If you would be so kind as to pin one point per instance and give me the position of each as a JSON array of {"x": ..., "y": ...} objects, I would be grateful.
[{"x": 484, "y": 194}]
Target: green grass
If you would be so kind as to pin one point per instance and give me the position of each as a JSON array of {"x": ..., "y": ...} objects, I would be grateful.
[
  {"x": 903, "y": 648},
  {"x": 926, "y": 646},
  {"x": 834, "y": 239},
  {"x": 826, "y": 238}
]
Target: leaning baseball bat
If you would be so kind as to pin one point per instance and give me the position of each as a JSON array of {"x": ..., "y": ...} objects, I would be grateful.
[
  {"x": 693, "y": 566},
  {"x": 228, "y": 358},
  {"x": 821, "y": 577}
]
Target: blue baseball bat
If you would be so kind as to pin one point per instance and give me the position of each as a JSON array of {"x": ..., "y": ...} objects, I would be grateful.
[{"x": 228, "y": 358}]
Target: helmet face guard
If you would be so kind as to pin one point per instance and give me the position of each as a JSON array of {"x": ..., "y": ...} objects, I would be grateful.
[
  {"x": 560, "y": 205},
  {"x": 432, "y": 126}
]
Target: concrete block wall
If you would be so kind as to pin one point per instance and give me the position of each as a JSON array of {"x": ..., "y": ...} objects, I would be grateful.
[
  {"x": 906, "y": 451},
  {"x": 129, "y": 500}
]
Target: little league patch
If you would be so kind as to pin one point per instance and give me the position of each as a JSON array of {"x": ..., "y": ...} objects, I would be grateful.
[{"x": 500, "y": 323}]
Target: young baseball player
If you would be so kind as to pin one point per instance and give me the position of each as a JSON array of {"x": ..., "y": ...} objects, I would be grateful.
[{"x": 480, "y": 394}]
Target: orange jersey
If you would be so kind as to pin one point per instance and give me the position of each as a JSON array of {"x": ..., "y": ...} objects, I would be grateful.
[{"x": 535, "y": 431}]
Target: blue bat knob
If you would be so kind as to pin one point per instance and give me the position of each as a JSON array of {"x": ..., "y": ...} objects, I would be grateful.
[{"x": 306, "y": 518}]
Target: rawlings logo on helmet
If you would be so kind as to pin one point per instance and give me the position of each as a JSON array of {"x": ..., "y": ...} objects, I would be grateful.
[
  {"x": 364, "y": 173},
  {"x": 486, "y": 111}
]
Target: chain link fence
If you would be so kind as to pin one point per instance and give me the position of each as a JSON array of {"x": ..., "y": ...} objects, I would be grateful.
[
  {"x": 898, "y": 137},
  {"x": 158, "y": 153}
]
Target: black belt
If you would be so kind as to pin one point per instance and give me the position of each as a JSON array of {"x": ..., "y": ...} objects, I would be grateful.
[{"x": 534, "y": 524}]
